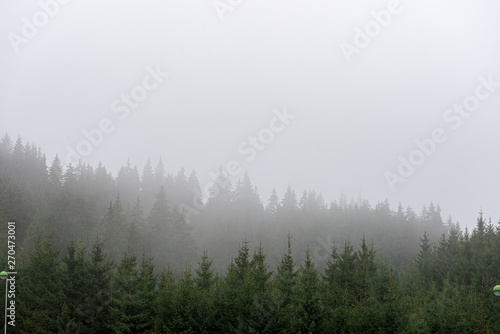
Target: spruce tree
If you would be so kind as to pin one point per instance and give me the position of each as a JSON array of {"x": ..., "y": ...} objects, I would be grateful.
[
  {"x": 260, "y": 273},
  {"x": 165, "y": 300},
  {"x": 137, "y": 228},
  {"x": 307, "y": 300},
  {"x": 204, "y": 274},
  {"x": 287, "y": 276},
  {"x": 242, "y": 261},
  {"x": 181, "y": 246},
  {"x": 205, "y": 283},
  {"x": 160, "y": 226},
  {"x": 424, "y": 258},
  {"x": 40, "y": 287},
  {"x": 184, "y": 318},
  {"x": 145, "y": 298},
  {"x": 133, "y": 303},
  {"x": 284, "y": 286},
  {"x": 263, "y": 305},
  {"x": 346, "y": 265},
  {"x": 95, "y": 312},
  {"x": 75, "y": 280},
  {"x": 242, "y": 287},
  {"x": 114, "y": 227},
  {"x": 123, "y": 307},
  {"x": 56, "y": 173},
  {"x": 273, "y": 204},
  {"x": 365, "y": 267},
  {"x": 149, "y": 187}
]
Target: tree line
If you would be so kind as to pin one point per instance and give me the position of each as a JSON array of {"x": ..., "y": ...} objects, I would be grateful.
[
  {"x": 447, "y": 290},
  {"x": 104, "y": 254},
  {"x": 148, "y": 210}
]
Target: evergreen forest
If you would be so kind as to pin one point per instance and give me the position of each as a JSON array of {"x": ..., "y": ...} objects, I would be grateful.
[{"x": 145, "y": 252}]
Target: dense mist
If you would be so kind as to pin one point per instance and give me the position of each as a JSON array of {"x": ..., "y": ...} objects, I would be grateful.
[{"x": 199, "y": 85}]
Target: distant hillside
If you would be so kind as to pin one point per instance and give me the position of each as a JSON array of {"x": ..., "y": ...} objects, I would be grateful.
[{"x": 164, "y": 214}]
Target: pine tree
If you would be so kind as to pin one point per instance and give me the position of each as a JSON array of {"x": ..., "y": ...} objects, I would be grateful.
[
  {"x": 181, "y": 189},
  {"x": 425, "y": 258},
  {"x": 114, "y": 227},
  {"x": 331, "y": 277},
  {"x": 228, "y": 301},
  {"x": 346, "y": 265},
  {"x": 410, "y": 215},
  {"x": 102, "y": 185},
  {"x": 184, "y": 319},
  {"x": 307, "y": 300},
  {"x": 128, "y": 183},
  {"x": 284, "y": 286},
  {"x": 242, "y": 287},
  {"x": 180, "y": 244},
  {"x": 145, "y": 299},
  {"x": 242, "y": 261},
  {"x": 75, "y": 280},
  {"x": 56, "y": 173},
  {"x": 159, "y": 174},
  {"x": 205, "y": 283},
  {"x": 246, "y": 201},
  {"x": 40, "y": 289},
  {"x": 365, "y": 266},
  {"x": 303, "y": 203},
  {"x": 160, "y": 226},
  {"x": 95, "y": 312},
  {"x": 204, "y": 274},
  {"x": 124, "y": 306},
  {"x": 272, "y": 206},
  {"x": 149, "y": 187},
  {"x": 65, "y": 323},
  {"x": 5, "y": 147},
  {"x": 70, "y": 180},
  {"x": 195, "y": 190},
  {"x": 287, "y": 275},
  {"x": 289, "y": 202},
  {"x": 137, "y": 228},
  {"x": 220, "y": 194},
  {"x": 260, "y": 273},
  {"x": 165, "y": 300},
  {"x": 263, "y": 304}
]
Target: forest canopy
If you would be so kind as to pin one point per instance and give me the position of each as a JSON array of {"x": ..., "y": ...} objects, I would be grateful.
[{"x": 123, "y": 255}]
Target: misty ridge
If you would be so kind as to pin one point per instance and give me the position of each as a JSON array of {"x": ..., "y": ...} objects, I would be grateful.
[{"x": 152, "y": 212}]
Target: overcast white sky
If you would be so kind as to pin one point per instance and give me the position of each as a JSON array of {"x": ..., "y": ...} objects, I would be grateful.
[{"x": 352, "y": 119}]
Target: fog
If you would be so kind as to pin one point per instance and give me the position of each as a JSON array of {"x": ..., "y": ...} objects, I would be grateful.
[{"x": 295, "y": 93}]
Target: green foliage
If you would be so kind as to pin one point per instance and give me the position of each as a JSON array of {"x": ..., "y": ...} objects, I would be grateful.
[
  {"x": 184, "y": 316},
  {"x": 95, "y": 311},
  {"x": 166, "y": 291},
  {"x": 433, "y": 278},
  {"x": 204, "y": 274},
  {"x": 75, "y": 278},
  {"x": 40, "y": 287},
  {"x": 425, "y": 259},
  {"x": 355, "y": 294},
  {"x": 309, "y": 308}
]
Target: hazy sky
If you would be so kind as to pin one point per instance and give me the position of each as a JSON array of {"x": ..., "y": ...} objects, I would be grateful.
[{"x": 363, "y": 81}]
